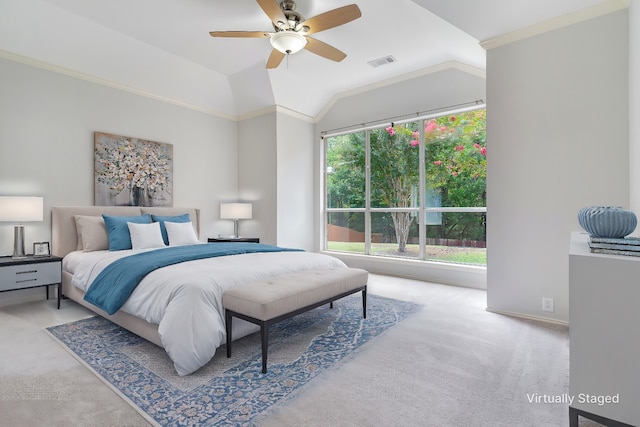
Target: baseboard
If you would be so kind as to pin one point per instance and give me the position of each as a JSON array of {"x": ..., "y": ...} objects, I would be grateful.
[
  {"x": 468, "y": 276},
  {"x": 529, "y": 317}
]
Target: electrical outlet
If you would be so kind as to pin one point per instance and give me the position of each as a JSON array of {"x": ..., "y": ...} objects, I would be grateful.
[{"x": 547, "y": 304}]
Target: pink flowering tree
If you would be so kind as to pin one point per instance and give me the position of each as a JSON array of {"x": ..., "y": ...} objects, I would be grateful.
[
  {"x": 456, "y": 168},
  {"x": 456, "y": 158},
  {"x": 395, "y": 162}
]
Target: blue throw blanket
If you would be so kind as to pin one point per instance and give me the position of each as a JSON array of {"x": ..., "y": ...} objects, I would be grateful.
[{"x": 113, "y": 286}]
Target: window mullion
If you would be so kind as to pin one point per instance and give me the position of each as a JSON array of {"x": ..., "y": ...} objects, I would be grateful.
[
  {"x": 325, "y": 189},
  {"x": 367, "y": 202},
  {"x": 422, "y": 227}
]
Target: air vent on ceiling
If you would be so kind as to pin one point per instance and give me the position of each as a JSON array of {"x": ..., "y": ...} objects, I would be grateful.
[{"x": 382, "y": 61}]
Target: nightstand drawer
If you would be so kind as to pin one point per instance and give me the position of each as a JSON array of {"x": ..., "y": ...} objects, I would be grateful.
[{"x": 29, "y": 275}]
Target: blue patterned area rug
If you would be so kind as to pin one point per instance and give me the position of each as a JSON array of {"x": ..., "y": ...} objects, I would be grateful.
[{"x": 229, "y": 392}]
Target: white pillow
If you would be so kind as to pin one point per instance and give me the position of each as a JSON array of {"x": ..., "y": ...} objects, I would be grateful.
[
  {"x": 92, "y": 233},
  {"x": 145, "y": 236},
  {"x": 181, "y": 233}
]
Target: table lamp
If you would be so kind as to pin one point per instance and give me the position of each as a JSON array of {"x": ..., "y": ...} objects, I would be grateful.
[
  {"x": 20, "y": 209},
  {"x": 235, "y": 211}
]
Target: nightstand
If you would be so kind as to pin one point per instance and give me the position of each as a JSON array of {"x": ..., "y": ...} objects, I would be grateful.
[
  {"x": 233, "y": 239},
  {"x": 30, "y": 272}
]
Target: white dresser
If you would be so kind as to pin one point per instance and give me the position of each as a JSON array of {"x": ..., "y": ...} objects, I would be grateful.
[{"x": 604, "y": 332}]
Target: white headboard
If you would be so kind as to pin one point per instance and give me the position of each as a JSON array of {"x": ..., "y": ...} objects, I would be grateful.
[{"x": 64, "y": 236}]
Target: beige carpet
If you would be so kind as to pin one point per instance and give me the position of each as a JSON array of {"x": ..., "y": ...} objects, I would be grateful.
[
  {"x": 453, "y": 364},
  {"x": 43, "y": 385}
]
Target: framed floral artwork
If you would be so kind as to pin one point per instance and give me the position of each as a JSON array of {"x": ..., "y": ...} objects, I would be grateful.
[{"x": 132, "y": 172}]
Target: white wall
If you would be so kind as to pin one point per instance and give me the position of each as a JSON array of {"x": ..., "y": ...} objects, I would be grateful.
[
  {"x": 442, "y": 88},
  {"x": 634, "y": 107},
  {"x": 557, "y": 132},
  {"x": 437, "y": 88},
  {"x": 257, "y": 176},
  {"x": 47, "y": 122},
  {"x": 276, "y": 174},
  {"x": 296, "y": 176}
]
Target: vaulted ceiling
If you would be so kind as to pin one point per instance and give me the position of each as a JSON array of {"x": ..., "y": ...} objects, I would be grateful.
[{"x": 162, "y": 48}]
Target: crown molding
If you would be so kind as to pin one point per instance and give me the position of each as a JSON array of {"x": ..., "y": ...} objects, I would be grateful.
[
  {"x": 109, "y": 83},
  {"x": 295, "y": 114},
  {"x": 256, "y": 113},
  {"x": 276, "y": 109},
  {"x": 601, "y": 9},
  {"x": 238, "y": 118}
]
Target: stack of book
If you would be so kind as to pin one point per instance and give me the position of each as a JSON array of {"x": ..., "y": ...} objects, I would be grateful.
[{"x": 629, "y": 246}]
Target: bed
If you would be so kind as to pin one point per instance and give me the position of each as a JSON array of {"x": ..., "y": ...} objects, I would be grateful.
[{"x": 177, "y": 307}]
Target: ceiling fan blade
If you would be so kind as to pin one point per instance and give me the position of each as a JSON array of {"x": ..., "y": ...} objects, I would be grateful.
[
  {"x": 244, "y": 34},
  {"x": 324, "y": 50},
  {"x": 273, "y": 11},
  {"x": 275, "y": 58},
  {"x": 332, "y": 18}
]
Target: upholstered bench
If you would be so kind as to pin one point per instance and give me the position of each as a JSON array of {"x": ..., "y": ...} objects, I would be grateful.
[{"x": 266, "y": 302}]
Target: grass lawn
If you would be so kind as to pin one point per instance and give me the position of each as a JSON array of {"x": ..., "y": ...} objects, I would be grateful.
[{"x": 456, "y": 254}]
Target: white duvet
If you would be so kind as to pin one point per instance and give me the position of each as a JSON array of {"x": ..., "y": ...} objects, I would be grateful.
[{"x": 185, "y": 299}]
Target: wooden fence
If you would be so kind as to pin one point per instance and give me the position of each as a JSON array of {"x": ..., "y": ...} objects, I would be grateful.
[{"x": 336, "y": 233}]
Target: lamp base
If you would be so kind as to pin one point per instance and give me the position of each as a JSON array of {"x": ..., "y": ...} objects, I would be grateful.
[
  {"x": 235, "y": 229},
  {"x": 18, "y": 242}
]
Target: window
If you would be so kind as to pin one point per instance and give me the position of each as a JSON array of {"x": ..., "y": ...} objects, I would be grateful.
[{"x": 415, "y": 189}]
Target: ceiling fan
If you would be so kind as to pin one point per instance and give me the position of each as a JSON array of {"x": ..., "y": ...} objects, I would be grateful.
[{"x": 291, "y": 30}]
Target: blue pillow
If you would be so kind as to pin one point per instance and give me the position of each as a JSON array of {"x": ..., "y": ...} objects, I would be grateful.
[
  {"x": 118, "y": 230},
  {"x": 162, "y": 219}
]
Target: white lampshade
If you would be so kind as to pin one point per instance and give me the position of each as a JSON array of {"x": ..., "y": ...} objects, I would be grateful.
[
  {"x": 288, "y": 41},
  {"x": 21, "y": 209},
  {"x": 235, "y": 210}
]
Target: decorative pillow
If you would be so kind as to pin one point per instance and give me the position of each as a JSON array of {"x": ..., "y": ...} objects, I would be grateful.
[
  {"x": 118, "y": 230},
  {"x": 145, "y": 236},
  {"x": 181, "y": 233},
  {"x": 162, "y": 219},
  {"x": 92, "y": 233}
]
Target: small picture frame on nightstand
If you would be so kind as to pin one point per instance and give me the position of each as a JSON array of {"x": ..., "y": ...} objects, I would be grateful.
[{"x": 41, "y": 249}]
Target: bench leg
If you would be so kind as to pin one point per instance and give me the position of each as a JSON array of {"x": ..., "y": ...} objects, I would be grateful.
[
  {"x": 364, "y": 303},
  {"x": 227, "y": 321},
  {"x": 266, "y": 324},
  {"x": 264, "y": 336}
]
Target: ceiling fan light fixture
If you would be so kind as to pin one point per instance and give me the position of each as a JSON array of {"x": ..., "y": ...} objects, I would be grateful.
[{"x": 288, "y": 42}]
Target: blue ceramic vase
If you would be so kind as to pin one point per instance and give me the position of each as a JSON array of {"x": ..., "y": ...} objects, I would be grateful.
[{"x": 607, "y": 221}]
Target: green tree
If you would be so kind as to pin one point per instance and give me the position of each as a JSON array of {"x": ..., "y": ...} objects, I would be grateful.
[
  {"x": 395, "y": 174},
  {"x": 346, "y": 178},
  {"x": 346, "y": 171}
]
